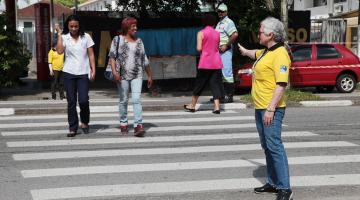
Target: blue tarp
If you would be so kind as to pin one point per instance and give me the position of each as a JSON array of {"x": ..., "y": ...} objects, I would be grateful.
[{"x": 169, "y": 41}]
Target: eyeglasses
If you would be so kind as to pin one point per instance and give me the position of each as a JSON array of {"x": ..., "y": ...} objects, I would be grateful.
[
  {"x": 220, "y": 11},
  {"x": 262, "y": 32}
]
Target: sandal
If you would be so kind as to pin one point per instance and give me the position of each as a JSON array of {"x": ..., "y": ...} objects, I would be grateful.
[
  {"x": 189, "y": 109},
  {"x": 216, "y": 111}
]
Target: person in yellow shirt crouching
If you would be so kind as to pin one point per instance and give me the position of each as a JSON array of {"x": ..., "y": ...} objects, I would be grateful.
[{"x": 56, "y": 64}]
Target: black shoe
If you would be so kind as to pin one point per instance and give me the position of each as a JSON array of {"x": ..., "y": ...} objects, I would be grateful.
[
  {"x": 53, "y": 96},
  {"x": 71, "y": 134},
  {"x": 284, "y": 194},
  {"x": 62, "y": 96},
  {"x": 216, "y": 111},
  {"x": 85, "y": 129},
  {"x": 265, "y": 188}
]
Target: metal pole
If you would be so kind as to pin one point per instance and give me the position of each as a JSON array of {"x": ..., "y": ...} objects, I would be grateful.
[
  {"x": 53, "y": 20},
  {"x": 76, "y": 6},
  {"x": 284, "y": 14}
]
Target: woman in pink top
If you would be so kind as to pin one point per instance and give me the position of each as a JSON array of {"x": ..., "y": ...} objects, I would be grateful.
[{"x": 210, "y": 65}]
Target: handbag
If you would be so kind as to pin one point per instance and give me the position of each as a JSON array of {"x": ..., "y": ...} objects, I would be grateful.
[{"x": 108, "y": 74}]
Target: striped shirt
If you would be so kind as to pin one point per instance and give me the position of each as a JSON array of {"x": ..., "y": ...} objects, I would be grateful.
[{"x": 226, "y": 28}]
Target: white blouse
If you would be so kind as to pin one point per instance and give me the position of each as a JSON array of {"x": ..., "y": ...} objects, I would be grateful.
[{"x": 76, "y": 56}]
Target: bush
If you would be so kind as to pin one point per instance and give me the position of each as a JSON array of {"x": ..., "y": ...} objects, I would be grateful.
[{"x": 14, "y": 57}]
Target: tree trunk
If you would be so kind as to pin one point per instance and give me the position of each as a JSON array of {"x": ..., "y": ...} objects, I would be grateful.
[{"x": 10, "y": 6}]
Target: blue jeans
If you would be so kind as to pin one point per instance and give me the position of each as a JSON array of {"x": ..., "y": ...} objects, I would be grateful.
[
  {"x": 123, "y": 89},
  {"x": 276, "y": 160}
]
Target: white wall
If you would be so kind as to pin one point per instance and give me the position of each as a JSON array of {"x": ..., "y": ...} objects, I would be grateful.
[{"x": 96, "y": 5}]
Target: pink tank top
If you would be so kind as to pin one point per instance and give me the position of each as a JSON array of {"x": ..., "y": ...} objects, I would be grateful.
[{"x": 210, "y": 56}]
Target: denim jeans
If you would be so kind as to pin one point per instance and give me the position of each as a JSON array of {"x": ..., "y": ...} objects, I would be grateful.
[
  {"x": 270, "y": 139},
  {"x": 123, "y": 88},
  {"x": 77, "y": 86}
]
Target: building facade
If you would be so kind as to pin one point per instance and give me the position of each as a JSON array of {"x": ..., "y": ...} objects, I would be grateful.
[{"x": 322, "y": 9}]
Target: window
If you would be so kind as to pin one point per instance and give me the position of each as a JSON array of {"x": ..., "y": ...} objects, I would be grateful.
[
  {"x": 28, "y": 27},
  {"x": 326, "y": 52},
  {"x": 27, "y": 24},
  {"x": 302, "y": 54},
  {"x": 320, "y": 3}
]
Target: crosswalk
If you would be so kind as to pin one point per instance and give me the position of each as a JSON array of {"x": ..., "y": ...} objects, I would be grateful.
[{"x": 182, "y": 153}]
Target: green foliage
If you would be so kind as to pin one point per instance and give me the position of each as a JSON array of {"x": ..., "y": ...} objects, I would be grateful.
[
  {"x": 158, "y": 6},
  {"x": 292, "y": 95},
  {"x": 14, "y": 57},
  {"x": 69, "y": 3}
]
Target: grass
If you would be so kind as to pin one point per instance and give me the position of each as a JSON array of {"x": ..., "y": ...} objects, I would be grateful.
[{"x": 292, "y": 96}]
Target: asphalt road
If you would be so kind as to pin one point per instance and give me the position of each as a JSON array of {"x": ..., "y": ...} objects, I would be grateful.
[{"x": 195, "y": 156}]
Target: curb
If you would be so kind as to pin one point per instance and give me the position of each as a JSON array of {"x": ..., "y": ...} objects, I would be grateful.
[{"x": 326, "y": 103}]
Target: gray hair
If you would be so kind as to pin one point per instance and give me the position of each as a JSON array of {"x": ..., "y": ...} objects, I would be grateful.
[{"x": 275, "y": 26}]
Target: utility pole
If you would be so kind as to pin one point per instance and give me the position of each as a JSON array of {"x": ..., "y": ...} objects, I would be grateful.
[
  {"x": 284, "y": 14},
  {"x": 53, "y": 21},
  {"x": 10, "y": 6},
  {"x": 76, "y": 6}
]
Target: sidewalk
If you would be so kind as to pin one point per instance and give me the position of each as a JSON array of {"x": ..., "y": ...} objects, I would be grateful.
[{"x": 34, "y": 98}]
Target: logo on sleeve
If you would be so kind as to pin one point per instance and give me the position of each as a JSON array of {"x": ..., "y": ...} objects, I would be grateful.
[{"x": 283, "y": 69}]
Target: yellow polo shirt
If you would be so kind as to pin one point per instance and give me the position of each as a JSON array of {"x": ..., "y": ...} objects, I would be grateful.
[
  {"x": 269, "y": 69},
  {"x": 56, "y": 60}
]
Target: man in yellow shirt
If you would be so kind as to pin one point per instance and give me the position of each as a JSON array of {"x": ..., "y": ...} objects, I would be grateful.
[{"x": 56, "y": 64}]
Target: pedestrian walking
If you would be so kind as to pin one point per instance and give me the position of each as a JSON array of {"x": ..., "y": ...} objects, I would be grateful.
[
  {"x": 228, "y": 35},
  {"x": 210, "y": 65},
  {"x": 128, "y": 61},
  {"x": 56, "y": 64},
  {"x": 270, "y": 77},
  {"x": 79, "y": 68}
]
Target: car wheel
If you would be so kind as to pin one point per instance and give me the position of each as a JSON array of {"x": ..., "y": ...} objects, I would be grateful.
[{"x": 345, "y": 83}]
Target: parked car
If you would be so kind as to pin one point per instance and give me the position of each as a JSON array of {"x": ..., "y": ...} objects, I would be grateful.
[{"x": 323, "y": 66}]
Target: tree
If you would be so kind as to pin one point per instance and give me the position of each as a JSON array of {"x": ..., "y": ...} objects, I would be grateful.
[
  {"x": 145, "y": 7},
  {"x": 70, "y": 3},
  {"x": 14, "y": 57}
]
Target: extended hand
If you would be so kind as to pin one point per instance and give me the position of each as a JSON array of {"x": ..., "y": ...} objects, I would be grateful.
[{"x": 241, "y": 49}]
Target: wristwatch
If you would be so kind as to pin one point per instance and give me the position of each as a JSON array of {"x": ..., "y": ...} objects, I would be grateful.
[{"x": 270, "y": 109}]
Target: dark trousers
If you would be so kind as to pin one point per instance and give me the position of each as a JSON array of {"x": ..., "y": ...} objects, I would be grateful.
[
  {"x": 57, "y": 83},
  {"x": 211, "y": 77},
  {"x": 77, "y": 86}
]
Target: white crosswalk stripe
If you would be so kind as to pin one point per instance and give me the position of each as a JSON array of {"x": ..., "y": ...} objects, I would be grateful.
[
  {"x": 182, "y": 166},
  {"x": 184, "y": 187},
  {"x": 178, "y": 144},
  {"x": 148, "y": 139}
]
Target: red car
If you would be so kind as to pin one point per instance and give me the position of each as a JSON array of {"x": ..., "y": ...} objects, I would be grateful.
[{"x": 324, "y": 66}]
